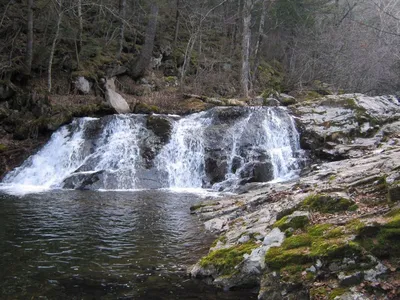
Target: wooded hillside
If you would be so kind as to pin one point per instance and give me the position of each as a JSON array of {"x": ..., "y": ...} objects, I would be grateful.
[{"x": 214, "y": 47}]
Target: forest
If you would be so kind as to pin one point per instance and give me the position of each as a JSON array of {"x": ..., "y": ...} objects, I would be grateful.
[{"x": 221, "y": 48}]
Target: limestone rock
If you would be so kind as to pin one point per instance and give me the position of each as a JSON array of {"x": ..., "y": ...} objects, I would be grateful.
[
  {"x": 114, "y": 99},
  {"x": 82, "y": 85}
]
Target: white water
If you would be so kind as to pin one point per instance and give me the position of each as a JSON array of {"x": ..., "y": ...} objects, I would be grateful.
[
  {"x": 183, "y": 157},
  {"x": 57, "y": 159},
  {"x": 115, "y": 151}
]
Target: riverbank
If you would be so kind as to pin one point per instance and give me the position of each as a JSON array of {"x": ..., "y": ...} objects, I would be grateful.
[{"x": 331, "y": 234}]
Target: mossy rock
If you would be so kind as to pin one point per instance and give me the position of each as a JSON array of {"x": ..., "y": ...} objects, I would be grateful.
[
  {"x": 142, "y": 108},
  {"x": 296, "y": 220},
  {"x": 382, "y": 240},
  {"x": 225, "y": 260},
  {"x": 160, "y": 126},
  {"x": 324, "y": 292},
  {"x": 321, "y": 241},
  {"x": 394, "y": 192},
  {"x": 328, "y": 204}
]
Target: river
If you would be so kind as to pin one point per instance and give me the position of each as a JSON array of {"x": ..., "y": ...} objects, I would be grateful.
[{"x": 103, "y": 245}]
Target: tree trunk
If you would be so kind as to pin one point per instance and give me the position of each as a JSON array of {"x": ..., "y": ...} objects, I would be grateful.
[
  {"x": 53, "y": 47},
  {"x": 122, "y": 14},
  {"x": 177, "y": 22},
  {"x": 259, "y": 39},
  {"x": 80, "y": 20},
  {"x": 245, "y": 76},
  {"x": 29, "y": 40},
  {"x": 147, "y": 50}
]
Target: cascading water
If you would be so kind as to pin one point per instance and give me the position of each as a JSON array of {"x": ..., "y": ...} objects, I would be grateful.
[
  {"x": 57, "y": 159},
  {"x": 183, "y": 157},
  {"x": 219, "y": 148}
]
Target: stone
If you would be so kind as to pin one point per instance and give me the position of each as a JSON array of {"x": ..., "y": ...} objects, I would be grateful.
[
  {"x": 274, "y": 238},
  {"x": 272, "y": 102},
  {"x": 257, "y": 172},
  {"x": 235, "y": 102},
  {"x": 82, "y": 85},
  {"x": 350, "y": 279},
  {"x": 372, "y": 274},
  {"x": 114, "y": 99},
  {"x": 286, "y": 100},
  {"x": 257, "y": 101},
  {"x": 82, "y": 181},
  {"x": 215, "y": 224},
  {"x": 244, "y": 239},
  {"x": 394, "y": 192}
]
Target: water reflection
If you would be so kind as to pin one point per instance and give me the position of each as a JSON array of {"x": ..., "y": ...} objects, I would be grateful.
[{"x": 102, "y": 245}]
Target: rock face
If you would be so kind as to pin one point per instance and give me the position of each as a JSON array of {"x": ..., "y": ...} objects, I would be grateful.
[
  {"x": 336, "y": 227},
  {"x": 114, "y": 99},
  {"x": 337, "y": 127}
]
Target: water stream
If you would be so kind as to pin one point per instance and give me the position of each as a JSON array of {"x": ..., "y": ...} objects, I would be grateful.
[{"x": 129, "y": 235}]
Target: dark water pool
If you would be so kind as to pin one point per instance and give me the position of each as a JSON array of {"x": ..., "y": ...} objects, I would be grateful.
[{"x": 102, "y": 245}]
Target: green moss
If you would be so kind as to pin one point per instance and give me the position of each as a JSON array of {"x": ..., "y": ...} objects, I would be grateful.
[
  {"x": 271, "y": 77},
  {"x": 336, "y": 293},
  {"x": 170, "y": 79},
  {"x": 221, "y": 239},
  {"x": 3, "y": 147},
  {"x": 334, "y": 248},
  {"x": 297, "y": 241},
  {"x": 320, "y": 292},
  {"x": 318, "y": 230},
  {"x": 326, "y": 203},
  {"x": 142, "y": 108},
  {"x": 394, "y": 221},
  {"x": 225, "y": 260},
  {"x": 293, "y": 273},
  {"x": 354, "y": 226},
  {"x": 277, "y": 257},
  {"x": 296, "y": 222},
  {"x": 335, "y": 232}
]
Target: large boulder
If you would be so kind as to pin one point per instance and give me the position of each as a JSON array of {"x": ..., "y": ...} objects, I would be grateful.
[
  {"x": 82, "y": 85},
  {"x": 114, "y": 99}
]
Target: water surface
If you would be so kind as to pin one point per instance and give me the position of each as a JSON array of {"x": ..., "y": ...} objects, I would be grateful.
[{"x": 102, "y": 245}]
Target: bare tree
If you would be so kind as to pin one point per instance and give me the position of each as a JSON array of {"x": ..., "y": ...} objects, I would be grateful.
[
  {"x": 58, "y": 7},
  {"x": 147, "y": 50},
  {"x": 246, "y": 36},
  {"x": 122, "y": 14},
  {"x": 29, "y": 40}
]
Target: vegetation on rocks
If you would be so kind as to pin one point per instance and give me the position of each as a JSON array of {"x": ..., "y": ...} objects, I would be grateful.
[{"x": 226, "y": 259}]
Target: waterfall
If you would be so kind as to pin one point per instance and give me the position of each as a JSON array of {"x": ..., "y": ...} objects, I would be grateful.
[
  {"x": 183, "y": 157},
  {"x": 218, "y": 149},
  {"x": 58, "y": 158}
]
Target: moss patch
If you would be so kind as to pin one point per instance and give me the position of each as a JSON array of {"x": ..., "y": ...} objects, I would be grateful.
[
  {"x": 296, "y": 222},
  {"x": 382, "y": 240},
  {"x": 328, "y": 204},
  {"x": 324, "y": 241},
  {"x": 225, "y": 260}
]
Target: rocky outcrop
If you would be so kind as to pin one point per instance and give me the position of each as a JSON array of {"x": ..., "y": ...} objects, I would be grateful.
[
  {"x": 336, "y": 227},
  {"x": 114, "y": 99},
  {"x": 338, "y": 127}
]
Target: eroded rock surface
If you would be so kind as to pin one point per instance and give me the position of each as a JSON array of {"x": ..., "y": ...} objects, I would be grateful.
[{"x": 334, "y": 232}]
